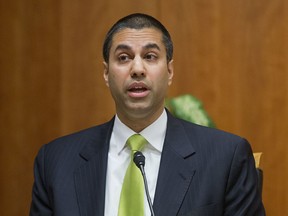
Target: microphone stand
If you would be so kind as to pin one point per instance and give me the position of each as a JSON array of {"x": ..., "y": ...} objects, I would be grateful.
[
  {"x": 147, "y": 191},
  {"x": 139, "y": 160}
]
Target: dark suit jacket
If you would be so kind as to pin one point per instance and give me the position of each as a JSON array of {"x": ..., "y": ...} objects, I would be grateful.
[{"x": 203, "y": 171}]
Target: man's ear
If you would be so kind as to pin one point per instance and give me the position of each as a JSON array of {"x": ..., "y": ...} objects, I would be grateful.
[
  {"x": 170, "y": 71},
  {"x": 106, "y": 72}
]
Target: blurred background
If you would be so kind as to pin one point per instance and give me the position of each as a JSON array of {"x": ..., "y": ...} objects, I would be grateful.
[{"x": 230, "y": 54}]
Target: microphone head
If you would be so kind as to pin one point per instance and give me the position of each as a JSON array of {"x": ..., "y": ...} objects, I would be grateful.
[{"x": 139, "y": 159}]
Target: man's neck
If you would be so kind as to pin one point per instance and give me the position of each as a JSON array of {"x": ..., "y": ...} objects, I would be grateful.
[{"x": 139, "y": 123}]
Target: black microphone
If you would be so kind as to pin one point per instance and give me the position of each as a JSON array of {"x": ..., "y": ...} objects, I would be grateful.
[{"x": 139, "y": 160}]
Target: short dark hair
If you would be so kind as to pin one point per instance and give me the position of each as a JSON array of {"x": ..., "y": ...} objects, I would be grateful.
[{"x": 138, "y": 21}]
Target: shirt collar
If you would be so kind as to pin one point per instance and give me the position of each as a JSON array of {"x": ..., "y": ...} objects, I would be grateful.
[{"x": 154, "y": 133}]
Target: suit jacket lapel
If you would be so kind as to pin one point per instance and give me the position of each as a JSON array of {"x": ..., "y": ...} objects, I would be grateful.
[
  {"x": 176, "y": 171},
  {"x": 175, "y": 174},
  {"x": 90, "y": 178}
]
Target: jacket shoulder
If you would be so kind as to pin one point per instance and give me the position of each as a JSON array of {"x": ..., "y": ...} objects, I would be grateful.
[{"x": 94, "y": 133}]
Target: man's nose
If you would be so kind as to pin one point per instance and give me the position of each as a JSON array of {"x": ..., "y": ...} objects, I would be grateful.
[{"x": 138, "y": 67}]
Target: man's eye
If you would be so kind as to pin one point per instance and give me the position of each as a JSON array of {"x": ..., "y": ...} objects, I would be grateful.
[
  {"x": 151, "y": 57},
  {"x": 123, "y": 58}
]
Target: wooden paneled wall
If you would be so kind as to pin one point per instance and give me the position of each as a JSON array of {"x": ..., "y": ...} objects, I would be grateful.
[{"x": 230, "y": 54}]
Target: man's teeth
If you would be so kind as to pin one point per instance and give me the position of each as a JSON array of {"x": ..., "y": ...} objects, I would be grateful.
[{"x": 138, "y": 89}]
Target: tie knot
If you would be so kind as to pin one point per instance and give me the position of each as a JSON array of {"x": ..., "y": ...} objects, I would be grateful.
[{"x": 136, "y": 142}]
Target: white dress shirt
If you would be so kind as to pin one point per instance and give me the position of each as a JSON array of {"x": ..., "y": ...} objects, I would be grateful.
[{"x": 119, "y": 159}]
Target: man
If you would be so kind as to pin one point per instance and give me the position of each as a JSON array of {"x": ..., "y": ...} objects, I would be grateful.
[{"x": 191, "y": 170}]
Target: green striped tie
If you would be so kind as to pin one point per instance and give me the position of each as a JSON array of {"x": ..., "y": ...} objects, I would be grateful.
[{"x": 132, "y": 194}]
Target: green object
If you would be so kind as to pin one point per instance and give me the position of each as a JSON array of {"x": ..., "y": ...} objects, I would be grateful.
[
  {"x": 189, "y": 108},
  {"x": 132, "y": 194}
]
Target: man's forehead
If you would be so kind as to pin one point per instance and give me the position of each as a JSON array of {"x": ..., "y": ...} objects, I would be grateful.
[
  {"x": 145, "y": 46},
  {"x": 144, "y": 35}
]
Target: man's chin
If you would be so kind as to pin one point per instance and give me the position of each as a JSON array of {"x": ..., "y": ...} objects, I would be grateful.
[{"x": 139, "y": 109}]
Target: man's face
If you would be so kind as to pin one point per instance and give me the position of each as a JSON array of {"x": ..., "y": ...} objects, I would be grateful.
[{"x": 138, "y": 73}]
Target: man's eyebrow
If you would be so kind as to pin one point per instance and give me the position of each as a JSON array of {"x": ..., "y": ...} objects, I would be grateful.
[
  {"x": 122, "y": 47},
  {"x": 147, "y": 46},
  {"x": 152, "y": 46}
]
